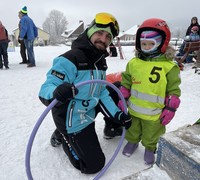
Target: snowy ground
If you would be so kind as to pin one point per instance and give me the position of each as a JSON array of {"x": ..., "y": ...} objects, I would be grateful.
[{"x": 21, "y": 108}]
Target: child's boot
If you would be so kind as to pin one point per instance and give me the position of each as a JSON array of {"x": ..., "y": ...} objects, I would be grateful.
[
  {"x": 129, "y": 149},
  {"x": 149, "y": 156}
]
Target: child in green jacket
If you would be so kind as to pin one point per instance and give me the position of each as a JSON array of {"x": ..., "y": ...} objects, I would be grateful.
[{"x": 151, "y": 84}]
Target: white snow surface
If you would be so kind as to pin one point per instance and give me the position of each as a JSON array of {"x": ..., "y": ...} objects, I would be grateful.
[{"x": 21, "y": 109}]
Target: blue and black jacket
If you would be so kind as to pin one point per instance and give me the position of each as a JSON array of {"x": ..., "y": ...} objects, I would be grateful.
[
  {"x": 83, "y": 62},
  {"x": 28, "y": 30}
]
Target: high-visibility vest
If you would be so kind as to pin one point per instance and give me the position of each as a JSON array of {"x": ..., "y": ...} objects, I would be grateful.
[{"x": 148, "y": 88}]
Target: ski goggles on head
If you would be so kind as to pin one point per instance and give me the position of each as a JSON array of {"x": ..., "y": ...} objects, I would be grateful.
[{"x": 103, "y": 20}]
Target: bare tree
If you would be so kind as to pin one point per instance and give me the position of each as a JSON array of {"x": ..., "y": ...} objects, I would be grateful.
[
  {"x": 179, "y": 33},
  {"x": 55, "y": 24}
]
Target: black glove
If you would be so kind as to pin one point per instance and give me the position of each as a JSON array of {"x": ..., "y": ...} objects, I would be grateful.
[
  {"x": 124, "y": 119},
  {"x": 65, "y": 92}
]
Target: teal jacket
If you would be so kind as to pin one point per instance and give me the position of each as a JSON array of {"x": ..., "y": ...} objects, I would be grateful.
[{"x": 83, "y": 62}]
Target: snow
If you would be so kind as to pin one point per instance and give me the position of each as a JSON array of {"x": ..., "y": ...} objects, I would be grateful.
[
  {"x": 21, "y": 108},
  {"x": 186, "y": 139}
]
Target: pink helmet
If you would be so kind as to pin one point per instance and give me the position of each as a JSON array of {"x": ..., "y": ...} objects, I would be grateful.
[{"x": 195, "y": 28}]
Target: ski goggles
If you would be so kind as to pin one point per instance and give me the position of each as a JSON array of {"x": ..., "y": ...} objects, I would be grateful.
[{"x": 103, "y": 20}]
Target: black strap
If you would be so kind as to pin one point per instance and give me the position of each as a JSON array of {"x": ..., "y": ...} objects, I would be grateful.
[{"x": 170, "y": 109}]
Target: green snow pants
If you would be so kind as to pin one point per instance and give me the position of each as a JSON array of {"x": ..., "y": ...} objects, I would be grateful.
[{"x": 146, "y": 131}]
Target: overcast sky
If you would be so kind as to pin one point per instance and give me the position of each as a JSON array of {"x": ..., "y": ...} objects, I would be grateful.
[{"x": 177, "y": 13}]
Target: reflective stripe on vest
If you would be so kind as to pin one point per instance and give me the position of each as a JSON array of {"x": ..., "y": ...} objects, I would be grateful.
[
  {"x": 147, "y": 97},
  {"x": 147, "y": 111}
]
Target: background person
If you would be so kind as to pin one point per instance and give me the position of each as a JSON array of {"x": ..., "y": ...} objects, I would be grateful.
[
  {"x": 3, "y": 46},
  {"x": 28, "y": 33},
  {"x": 192, "y": 37},
  {"x": 112, "y": 50},
  {"x": 197, "y": 64},
  {"x": 23, "y": 52},
  {"x": 194, "y": 22}
]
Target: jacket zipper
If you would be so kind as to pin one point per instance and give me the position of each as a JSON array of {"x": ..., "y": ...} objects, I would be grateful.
[
  {"x": 91, "y": 85},
  {"x": 71, "y": 113}
]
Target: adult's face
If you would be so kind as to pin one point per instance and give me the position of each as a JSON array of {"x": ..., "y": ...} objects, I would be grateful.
[
  {"x": 194, "y": 21},
  {"x": 101, "y": 39}
]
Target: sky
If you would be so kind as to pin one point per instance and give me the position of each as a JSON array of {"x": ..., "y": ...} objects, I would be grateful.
[
  {"x": 128, "y": 12},
  {"x": 21, "y": 109}
]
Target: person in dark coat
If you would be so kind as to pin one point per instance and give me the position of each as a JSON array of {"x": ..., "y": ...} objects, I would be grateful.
[
  {"x": 194, "y": 22},
  {"x": 113, "y": 50}
]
